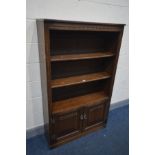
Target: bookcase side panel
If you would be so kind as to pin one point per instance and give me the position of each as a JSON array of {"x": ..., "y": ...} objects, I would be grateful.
[{"x": 44, "y": 76}]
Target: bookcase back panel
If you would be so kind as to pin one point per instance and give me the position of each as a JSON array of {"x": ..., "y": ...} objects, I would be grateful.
[
  {"x": 71, "y": 42},
  {"x": 71, "y": 68},
  {"x": 80, "y": 89}
]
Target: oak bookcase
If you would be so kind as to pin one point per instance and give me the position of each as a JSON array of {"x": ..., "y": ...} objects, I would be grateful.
[{"x": 78, "y": 62}]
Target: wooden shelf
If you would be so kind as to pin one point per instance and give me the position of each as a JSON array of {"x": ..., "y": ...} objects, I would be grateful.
[
  {"x": 79, "y": 79},
  {"x": 79, "y": 101},
  {"x": 69, "y": 57}
]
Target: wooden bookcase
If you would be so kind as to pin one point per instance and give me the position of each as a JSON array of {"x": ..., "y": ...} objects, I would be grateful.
[{"x": 78, "y": 62}]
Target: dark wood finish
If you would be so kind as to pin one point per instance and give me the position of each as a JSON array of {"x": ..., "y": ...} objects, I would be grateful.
[
  {"x": 44, "y": 72},
  {"x": 79, "y": 89},
  {"x": 66, "y": 125},
  {"x": 81, "y": 56},
  {"x": 78, "y": 135},
  {"x": 72, "y": 80},
  {"x": 79, "y": 101},
  {"x": 94, "y": 115},
  {"x": 78, "y": 120},
  {"x": 78, "y": 62},
  {"x": 82, "y": 26},
  {"x": 81, "y": 42},
  {"x": 81, "y": 67}
]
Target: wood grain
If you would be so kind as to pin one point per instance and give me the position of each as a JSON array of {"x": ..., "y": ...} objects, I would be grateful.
[
  {"x": 69, "y": 57},
  {"x": 78, "y": 56},
  {"x": 61, "y": 82},
  {"x": 79, "y": 101}
]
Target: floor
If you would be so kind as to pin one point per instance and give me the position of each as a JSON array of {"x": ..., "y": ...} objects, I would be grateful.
[{"x": 113, "y": 140}]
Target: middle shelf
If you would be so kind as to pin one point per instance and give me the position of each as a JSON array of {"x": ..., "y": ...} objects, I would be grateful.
[
  {"x": 81, "y": 56},
  {"x": 67, "y": 81}
]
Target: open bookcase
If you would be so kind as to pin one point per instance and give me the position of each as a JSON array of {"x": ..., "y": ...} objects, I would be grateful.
[{"x": 78, "y": 65}]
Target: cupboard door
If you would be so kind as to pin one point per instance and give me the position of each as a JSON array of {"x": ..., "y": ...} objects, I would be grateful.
[
  {"x": 66, "y": 125},
  {"x": 94, "y": 115}
]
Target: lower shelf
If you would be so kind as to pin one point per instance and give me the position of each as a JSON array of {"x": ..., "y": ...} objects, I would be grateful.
[{"x": 76, "y": 102}]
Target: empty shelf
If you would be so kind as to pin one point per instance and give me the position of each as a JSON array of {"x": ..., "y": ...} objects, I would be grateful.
[
  {"x": 79, "y": 101},
  {"x": 72, "y": 80},
  {"x": 68, "y": 57}
]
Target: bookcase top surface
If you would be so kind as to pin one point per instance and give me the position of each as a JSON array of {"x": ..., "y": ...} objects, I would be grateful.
[{"x": 78, "y": 22}]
